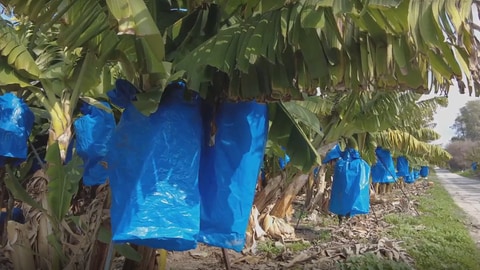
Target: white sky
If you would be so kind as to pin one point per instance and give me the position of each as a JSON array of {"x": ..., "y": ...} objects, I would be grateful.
[{"x": 445, "y": 117}]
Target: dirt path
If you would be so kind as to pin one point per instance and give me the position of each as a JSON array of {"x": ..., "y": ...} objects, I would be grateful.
[{"x": 466, "y": 194}]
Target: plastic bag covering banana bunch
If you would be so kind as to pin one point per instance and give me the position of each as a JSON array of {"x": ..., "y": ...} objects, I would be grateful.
[
  {"x": 424, "y": 170},
  {"x": 16, "y": 122},
  {"x": 229, "y": 171},
  {"x": 283, "y": 161},
  {"x": 333, "y": 154},
  {"x": 153, "y": 165},
  {"x": 384, "y": 170},
  {"x": 410, "y": 178},
  {"x": 350, "y": 187},
  {"x": 402, "y": 166},
  {"x": 93, "y": 132},
  {"x": 174, "y": 182}
]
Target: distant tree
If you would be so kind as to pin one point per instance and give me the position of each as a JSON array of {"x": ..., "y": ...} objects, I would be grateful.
[
  {"x": 467, "y": 123},
  {"x": 463, "y": 153}
]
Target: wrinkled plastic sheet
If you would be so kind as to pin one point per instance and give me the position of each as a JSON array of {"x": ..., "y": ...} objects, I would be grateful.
[
  {"x": 383, "y": 171},
  {"x": 350, "y": 193},
  {"x": 93, "y": 132},
  {"x": 424, "y": 171},
  {"x": 16, "y": 122},
  {"x": 402, "y": 166},
  {"x": 416, "y": 174},
  {"x": 333, "y": 154},
  {"x": 410, "y": 178},
  {"x": 229, "y": 172},
  {"x": 153, "y": 169}
]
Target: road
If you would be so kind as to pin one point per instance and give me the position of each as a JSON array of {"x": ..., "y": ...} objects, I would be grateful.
[{"x": 466, "y": 194}]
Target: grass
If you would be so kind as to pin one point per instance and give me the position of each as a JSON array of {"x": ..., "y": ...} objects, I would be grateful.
[
  {"x": 273, "y": 250},
  {"x": 469, "y": 174},
  {"x": 438, "y": 238}
]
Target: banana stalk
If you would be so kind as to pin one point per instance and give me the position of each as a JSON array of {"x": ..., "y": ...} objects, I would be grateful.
[{"x": 60, "y": 128}]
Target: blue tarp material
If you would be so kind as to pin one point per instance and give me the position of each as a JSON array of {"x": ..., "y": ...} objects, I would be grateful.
[
  {"x": 334, "y": 153},
  {"x": 17, "y": 216},
  {"x": 424, "y": 170},
  {"x": 350, "y": 187},
  {"x": 16, "y": 122},
  {"x": 474, "y": 166},
  {"x": 153, "y": 165},
  {"x": 384, "y": 170},
  {"x": 283, "y": 161},
  {"x": 410, "y": 178},
  {"x": 93, "y": 131},
  {"x": 229, "y": 171},
  {"x": 402, "y": 166},
  {"x": 416, "y": 174}
]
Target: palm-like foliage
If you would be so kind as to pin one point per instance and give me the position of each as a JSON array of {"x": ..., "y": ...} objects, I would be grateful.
[
  {"x": 281, "y": 49},
  {"x": 269, "y": 50},
  {"x": 62, "y": 50}
]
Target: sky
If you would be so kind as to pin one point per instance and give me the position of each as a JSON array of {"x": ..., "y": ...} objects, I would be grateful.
[{"x": 445, "y": 117}]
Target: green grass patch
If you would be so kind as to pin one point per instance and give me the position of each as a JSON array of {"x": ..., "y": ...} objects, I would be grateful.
[
  {"x": 469, "y": 174},
  {"x": 271, "y": 249},
  {"x": 438, "y": 238}
]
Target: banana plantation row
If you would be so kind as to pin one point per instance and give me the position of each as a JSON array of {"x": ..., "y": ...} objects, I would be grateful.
[{"x": 128, "y": 124}]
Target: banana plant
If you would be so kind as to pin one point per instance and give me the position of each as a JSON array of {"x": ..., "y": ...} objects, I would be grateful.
[
  {"x": 365, "y": 120},
  {"x": 268, "y": 50},
  {"x": 279, "y": 49},
  {"x": 62, "y": 52},
  {"x": 271, "y": 51}
]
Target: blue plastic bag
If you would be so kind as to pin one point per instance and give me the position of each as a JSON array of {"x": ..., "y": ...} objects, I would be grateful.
[
  {"x": 424, "y": 170},
  {"x": 153, "y": 165},
  {"x": 334, "y": 153},
  {"x": 384, "y": 170},
  {"x": 17, "y": 216},
  {"x": 93, "y": 132},
  {"x": 402, "y": 166},
  {"x": 16, "y": 122},
  {"x": 410, "y": 178},
  {"x": 416, "y": 174},
  {"x": 229, "y": 172},
  {"x": 283, "y": 162},
  {"x": 351, "y": 185},
  {"x": 474, "y": 166}
]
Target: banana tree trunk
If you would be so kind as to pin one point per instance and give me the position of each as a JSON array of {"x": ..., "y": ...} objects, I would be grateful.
[
  {"x": 283, "y": 204},
  {"x": 317, "y": 199},
  {"x": 269, "y": 193}
]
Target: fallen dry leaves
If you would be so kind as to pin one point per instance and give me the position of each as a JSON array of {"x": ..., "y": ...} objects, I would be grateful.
[{"x": 354, "y": 237}]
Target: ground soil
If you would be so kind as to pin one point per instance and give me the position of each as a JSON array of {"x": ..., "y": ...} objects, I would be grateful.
[{"x": 325, "y": 241}]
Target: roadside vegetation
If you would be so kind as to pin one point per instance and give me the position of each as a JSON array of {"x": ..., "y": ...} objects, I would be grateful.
[
  {"x": 438, "y": 238},
  {"x": 469, "y": 173}
]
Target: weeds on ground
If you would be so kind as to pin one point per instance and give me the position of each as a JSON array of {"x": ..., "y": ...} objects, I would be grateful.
[
  {"x": 469, "y": 174},
  {"x": 438, "y": 238},
  {"x": 271, "y": 249}
]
